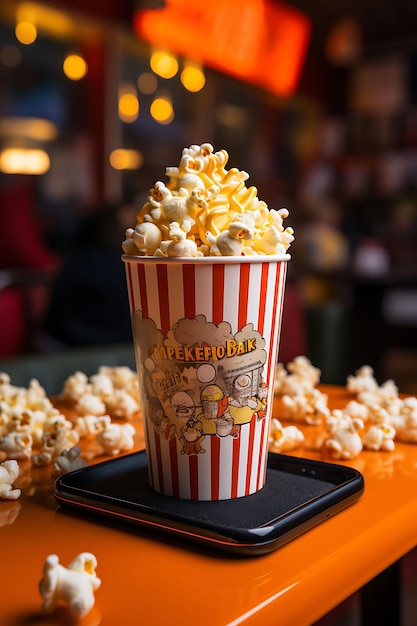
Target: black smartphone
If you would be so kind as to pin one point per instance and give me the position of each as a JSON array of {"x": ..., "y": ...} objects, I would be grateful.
[{"x": 298, "y": 494}]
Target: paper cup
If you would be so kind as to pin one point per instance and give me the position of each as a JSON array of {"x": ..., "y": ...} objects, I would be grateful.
[{"x": 206, "y": 335}]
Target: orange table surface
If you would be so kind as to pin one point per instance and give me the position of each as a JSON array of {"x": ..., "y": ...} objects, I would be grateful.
[{"x": 154, "y": 581}]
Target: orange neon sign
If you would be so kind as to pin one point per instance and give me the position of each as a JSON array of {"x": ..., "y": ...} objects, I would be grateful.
[{"x": 258, "y": 41}]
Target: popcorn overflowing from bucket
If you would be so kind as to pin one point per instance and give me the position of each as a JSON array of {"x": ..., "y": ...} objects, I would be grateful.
[{"x": 206, "y": 210}]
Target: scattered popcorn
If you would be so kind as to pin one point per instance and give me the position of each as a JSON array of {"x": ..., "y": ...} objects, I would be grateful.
[
  {"x": 302, "y": 377},
  {"x": 344, "y": 441},
  {"x": 16, "y": 446},
  {"x": 90, "y": 425},
  {"x": 68, "y": 461},
  {"x": 357, "y": 409},
  {"x": 75, "y": 386},
  {"x": 111, "y": 391},
  {"x": 206, "y": 210},
  {"x": 283, "y": 438},
  {"x": 122, "y": 405},
  {"x": 90, "y": 404},
  {"x": 363, "y": 380},
  {"x": 73, "y": 585},
  {"x": 9, "y": 472},
  {"x": 406, "y": 424},
  {"x": 310, "y": 408},
  {"x": 379, "y": 437},
  {"x": 58, "y": 436},
  {"x": 296, "y": 395},
  {"x": 116, "y": 438}
]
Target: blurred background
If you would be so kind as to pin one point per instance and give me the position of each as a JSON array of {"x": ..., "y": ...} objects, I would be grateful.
[{"x": 316, "y": 100}]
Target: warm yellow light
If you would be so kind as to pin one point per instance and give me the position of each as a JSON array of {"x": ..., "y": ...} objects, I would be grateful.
[
  {"x": 122, "y": 159},
  {"x": 24, "y": 161},
  {"x": 164, "y": 63},
  {"x": 147, "y": 83},
  {"x": 49, "y": 19},
  {"x": 26, "y": 32},
  {"x": 162, "y": 110},
  {"x": 75, "y": 67},
  {"x": 192, "y": 77},
  {"x": 28, "y": 128},
  {"x": 128, "y": 103}
]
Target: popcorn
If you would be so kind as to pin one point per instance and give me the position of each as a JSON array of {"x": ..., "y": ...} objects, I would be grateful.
[
  {"x": 206, "y": 210},
  {"x": 90, "y": 425},
  {"x": 122, "y": 405},
  {"x": 112, "y": 391},
  {"x": 406, "y": 424},
  {"x": 345, "y": 441},
  {"x": 75, "y": 386},
  {"x": 116, "y": 438},
  {"x": 9, "y": 472},
  {"x": 58, "y": 436},
  {"x": 283, "y": 438},
  {"x": 73, "y": 585},
  {"x": 379, "y": 437},
  {"x": 16, "y": 446},
  {"x": 362, "y": 381},
  {"x": 90, "y": 404},
  {"x": 297, "y": 397},
  {"x": 68, "y": 461}
]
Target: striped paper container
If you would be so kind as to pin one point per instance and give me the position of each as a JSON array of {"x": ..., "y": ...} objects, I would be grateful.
[{"x": 206, "y": 335}]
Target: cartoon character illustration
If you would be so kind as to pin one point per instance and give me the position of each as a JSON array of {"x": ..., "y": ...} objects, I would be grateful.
[
  {"x": 263, "y": 399},
  {"x": 201, "y": 376},
  {"x": 214, "y": 403},
  {"x": 192, "y": 434},
  {"x": 160, "y": 421},
  {"x": 191, "y": 437},
  {"x": 244, "y": 403}
]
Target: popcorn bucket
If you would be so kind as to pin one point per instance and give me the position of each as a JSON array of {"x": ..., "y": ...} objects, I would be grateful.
[{"x": 206, "y": 334}]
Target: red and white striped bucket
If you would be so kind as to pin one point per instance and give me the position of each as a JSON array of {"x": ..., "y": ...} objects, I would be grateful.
[{"x": 206, "y": 334}]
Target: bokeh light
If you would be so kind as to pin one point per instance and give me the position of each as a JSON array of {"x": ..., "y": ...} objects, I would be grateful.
[
  {"x": 128, "y": 105},
  {"x": 26, "y": 32},
  {"x": 24, "y": 161},
  {"x": 192, "y": 77},
  {"x": 164, "y": 63},
  {"x": 162, "y": 110},
  {"x": 122, "y": 159},
  {"x": 147, "y": 83},
  {"x": 75, "y": 67}
]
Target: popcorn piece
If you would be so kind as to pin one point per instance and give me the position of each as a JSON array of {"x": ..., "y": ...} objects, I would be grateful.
[
  {"x": 357, "y": 409},
  {"x": 379, "y": 437},
  {"x": 122, "y": 405},
  {"x": 17, "y": 445},
  {"x": 101, "y": 385},
  {"x": 68, "y": 461},
  {"x": 206, "y": 210},
  {"x": 406, "y": 425},
  {"x": 284, "y": 438},
  {"x": 302, "y": 376},
  {"x": 74, "y": 585},
  {"x": 116, "y": 438},
  {"x": 9, "y": 472},
  {"x": 362, "y": 381},
  {"x": 58, "y": 436},
  {"x": 308, "y": 408},
  {"x": 111, "y": 391},
  {"x": 344, "y": 441},
  {"x": 90, "y": 404},
  {"x": 75, "y": 386},
  {"x": 90, "y": 425}
]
